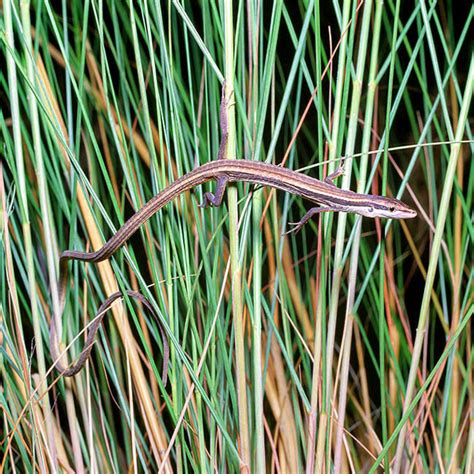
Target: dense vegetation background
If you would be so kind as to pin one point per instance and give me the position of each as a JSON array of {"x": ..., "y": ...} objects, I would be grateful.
[{"x": 345, "y": 346}]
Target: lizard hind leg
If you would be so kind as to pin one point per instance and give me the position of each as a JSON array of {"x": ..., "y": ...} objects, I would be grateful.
[
  {"x": 225, "y": 103},
  {"x": 215, "y": 199}
]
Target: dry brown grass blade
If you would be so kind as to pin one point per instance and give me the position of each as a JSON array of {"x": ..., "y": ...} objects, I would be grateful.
[
  {"x": 95, "y": 87},
  {"x": 282, "y": 437},
  {"x": 300, "y": 308}
]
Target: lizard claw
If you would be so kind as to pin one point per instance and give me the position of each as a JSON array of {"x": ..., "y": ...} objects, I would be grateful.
[
  {"x": 313, "y": 211},
  {"x": 340, "y": 170},
  {"x": 296, "y": 228}
]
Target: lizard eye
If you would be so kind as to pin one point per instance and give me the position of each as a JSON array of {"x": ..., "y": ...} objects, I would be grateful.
[{"x": 391, "y": 209}]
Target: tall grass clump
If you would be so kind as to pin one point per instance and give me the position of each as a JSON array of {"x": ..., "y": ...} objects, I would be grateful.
[{"x": 344, "y": 347}]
